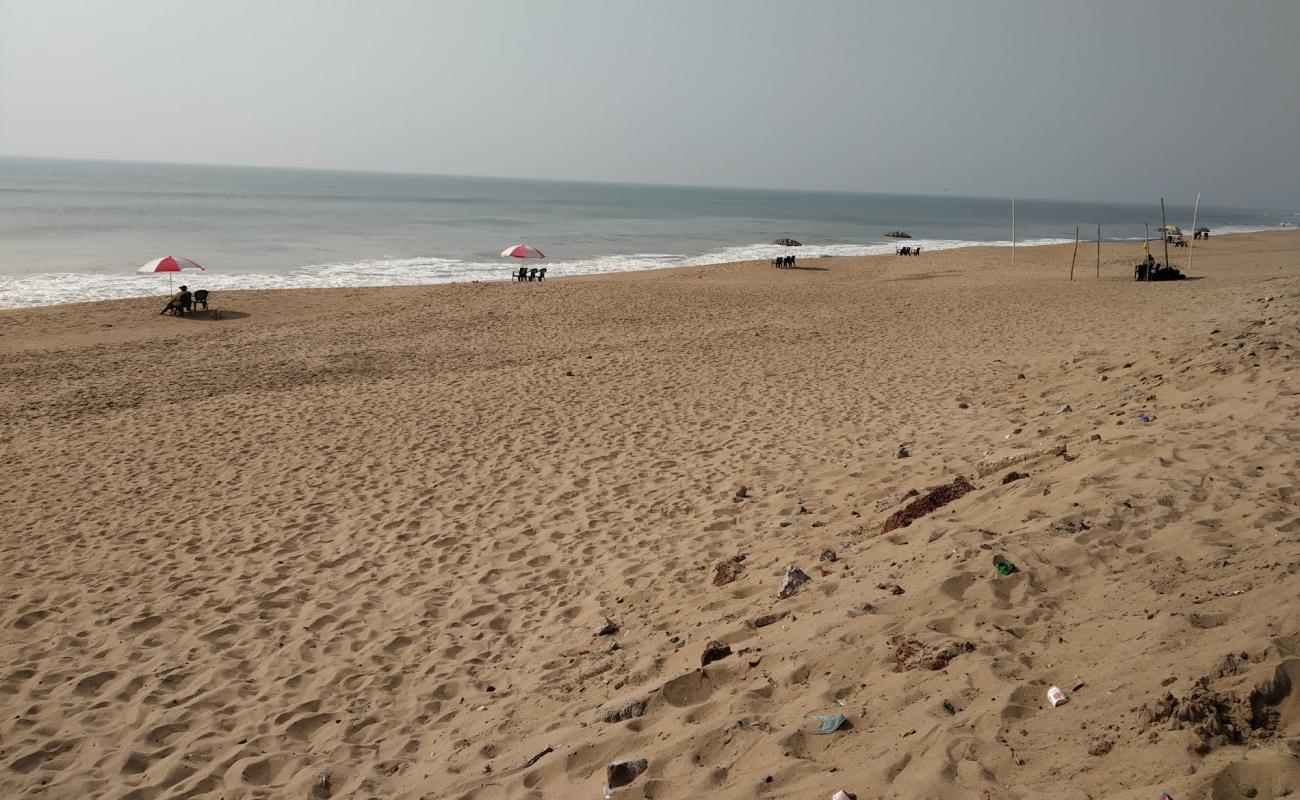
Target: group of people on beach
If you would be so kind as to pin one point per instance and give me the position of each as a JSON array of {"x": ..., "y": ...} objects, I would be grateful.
[
  {"x": 1201, "y": 233},
  {"x": 185, "y": 301}
]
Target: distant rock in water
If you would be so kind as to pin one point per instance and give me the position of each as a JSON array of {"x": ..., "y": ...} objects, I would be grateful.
[{"x": 787, "y": 243}]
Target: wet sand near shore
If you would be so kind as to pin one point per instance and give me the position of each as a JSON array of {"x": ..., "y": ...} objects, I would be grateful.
[{"x": 362, "y": 543}]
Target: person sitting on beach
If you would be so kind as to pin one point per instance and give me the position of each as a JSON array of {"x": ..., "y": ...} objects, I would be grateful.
[{"x": 178, "y": 303}]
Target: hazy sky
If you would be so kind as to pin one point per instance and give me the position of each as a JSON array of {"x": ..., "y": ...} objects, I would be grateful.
[{"x": 1088, "y": 100}]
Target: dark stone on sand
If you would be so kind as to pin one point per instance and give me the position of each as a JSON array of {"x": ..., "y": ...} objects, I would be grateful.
[
  {"x": 932, "y": 500},
  {"x": 768, "y": 619},
  {"x": 607, "y": 627},
  {"x": 624, "y": 771},
  {"x": 1013, "y": 476},
  {"x": 724, "y": 572},
  {"x": 713, "y": 651}
]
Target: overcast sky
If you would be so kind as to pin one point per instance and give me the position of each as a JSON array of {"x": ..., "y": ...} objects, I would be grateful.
[{"x": 1080, "y": 100}]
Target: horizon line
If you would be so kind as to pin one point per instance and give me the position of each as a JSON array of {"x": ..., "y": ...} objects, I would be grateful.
[{"x": 787, "y": 190}]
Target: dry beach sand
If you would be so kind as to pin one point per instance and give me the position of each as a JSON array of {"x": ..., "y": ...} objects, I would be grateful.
[{"x": 359, "y": 543}]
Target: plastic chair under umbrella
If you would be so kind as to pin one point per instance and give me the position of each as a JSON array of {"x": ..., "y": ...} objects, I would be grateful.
[
  {"x": 169, "y": 265},
  {"x": 522, "y": 251}
]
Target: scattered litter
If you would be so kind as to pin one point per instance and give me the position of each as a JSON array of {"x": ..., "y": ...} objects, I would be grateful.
[
  {"x": 996, "y": 462},
  {"x": 607, "y": 627},
  {"x": 1079, "y": 684},
  {"x": 932, "y": 500},
  {"x": 829, "y": 722},
  {"x": 794, "y": 578},
  {"x": 890, "y": 502},
  {"x": 1068, "y": 527},
  {"x": 742, "y": 493},
  {"x": 534, "y": 759},
  {"x": 1057, "y": 697},
  {"x": 1003, "y": 566},
  {"x": 714, "y": 651},
  {"x": 949, "y": 708},
  {"x": 843, "y": 795},
  {"x": 1065, "y": 409}
]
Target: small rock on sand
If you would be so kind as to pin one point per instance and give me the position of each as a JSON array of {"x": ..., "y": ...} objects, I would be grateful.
[
  {"x": 623, "y": 711},
  {"x": 1065, "y": 409},
  {"x": 768, "y": 619},
  {"x": 607, "y": 627},
  {"x": 794, "y": 578},
  {"x": 713, "y": 651},
  {"x": 624, "y": 771}
]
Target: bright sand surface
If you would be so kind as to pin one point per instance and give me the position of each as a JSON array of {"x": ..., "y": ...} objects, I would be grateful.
[{"x": 370, "y": 534}]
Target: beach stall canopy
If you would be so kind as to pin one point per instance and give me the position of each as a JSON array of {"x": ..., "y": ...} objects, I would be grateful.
[{"x": 522, "y": 251}]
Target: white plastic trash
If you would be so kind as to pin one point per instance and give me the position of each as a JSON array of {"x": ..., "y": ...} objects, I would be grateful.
[{"x": 1056, "y": 696}]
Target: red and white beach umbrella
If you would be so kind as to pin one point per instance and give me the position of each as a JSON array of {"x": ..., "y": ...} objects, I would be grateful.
[
  {"x": 522, "y": 251},
  {"x": 169, "y": 264}
]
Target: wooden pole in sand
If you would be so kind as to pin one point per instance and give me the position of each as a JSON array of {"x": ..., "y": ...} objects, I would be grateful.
[
  {"x": 1098, "y": 249},
  {"x": 1164, "y": 224},
  {"x": 1195, "y": 210},
  {"x": 1076, "y": 251}
]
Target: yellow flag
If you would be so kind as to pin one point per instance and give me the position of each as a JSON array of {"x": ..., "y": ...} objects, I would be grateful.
[{"x": 1146, "y": 247}]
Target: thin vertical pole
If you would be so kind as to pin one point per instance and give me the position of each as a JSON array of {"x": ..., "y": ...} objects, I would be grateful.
[
  {"x": 1195, "y": 210},
  {"x": 1076, "y": 251},
  {"x": 1098, "y": 249},
  {"x": 1165, "y": 224},
  {"x": 1013, "y": 230}
]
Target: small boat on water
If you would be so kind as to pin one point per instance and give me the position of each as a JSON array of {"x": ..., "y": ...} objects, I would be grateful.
[{"x": 899, "y": 235}]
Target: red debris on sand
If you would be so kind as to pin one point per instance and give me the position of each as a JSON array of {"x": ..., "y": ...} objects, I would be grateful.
[
  {"x": 724, "y": 573},
  {"x": 930, "y": 501}
]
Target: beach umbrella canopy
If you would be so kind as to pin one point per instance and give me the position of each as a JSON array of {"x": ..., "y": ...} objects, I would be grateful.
[
  {"x": 522, "y": 251},
  {"x": 168, "y": 264}
]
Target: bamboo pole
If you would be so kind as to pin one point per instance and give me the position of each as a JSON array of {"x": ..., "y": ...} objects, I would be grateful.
[
  {"x": 1192, "y": 246},
  {"x": 1146, "y": 247},
  {"x": 1098, "y": 249},
  {"x": 1075, "y": 257},
  {"x": 1164, "y": 223}
]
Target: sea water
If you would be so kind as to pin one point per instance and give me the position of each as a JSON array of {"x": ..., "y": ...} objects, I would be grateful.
[{"x": 77, "y": 230}]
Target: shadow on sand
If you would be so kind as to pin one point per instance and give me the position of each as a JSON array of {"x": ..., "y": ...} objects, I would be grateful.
[{"x": 204, "y": 316}]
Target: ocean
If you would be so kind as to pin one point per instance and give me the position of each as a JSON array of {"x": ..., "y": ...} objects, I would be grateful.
[{"x": 72, "y": 231}]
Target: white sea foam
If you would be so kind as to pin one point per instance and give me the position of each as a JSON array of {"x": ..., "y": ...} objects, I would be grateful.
[{"x": 56, "y": 288}]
